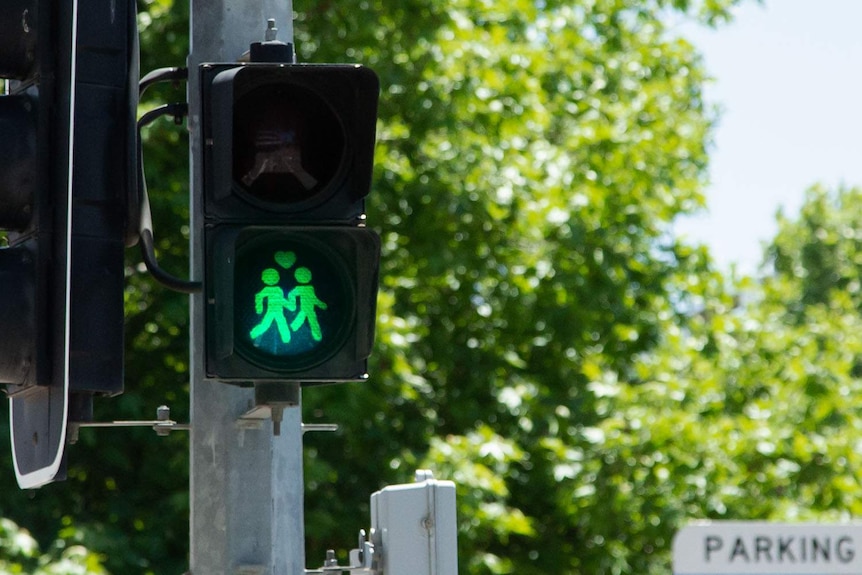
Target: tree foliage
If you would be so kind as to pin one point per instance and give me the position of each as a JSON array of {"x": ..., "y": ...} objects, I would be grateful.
[
  {"x": 19, "y": 553},
  {"x": 531, "y": 159}
]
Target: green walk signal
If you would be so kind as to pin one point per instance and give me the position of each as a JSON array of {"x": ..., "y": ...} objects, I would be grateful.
[
  {"x": 293, "y": 303},
  {"x": 301, "y": 300},
  {"x": 279, "y": 313}
]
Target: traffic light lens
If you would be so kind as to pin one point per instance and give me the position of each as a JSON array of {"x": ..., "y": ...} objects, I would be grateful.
[
  {"x": 288, "y": 145},
  {"x": 293, "y": 305}
]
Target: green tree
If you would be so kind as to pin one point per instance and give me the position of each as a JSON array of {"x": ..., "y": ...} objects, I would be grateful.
[
  {"x": 531, "y": 160},
  {"x": 819, "y": 253},
  {"x": 19, "y": 553},
  {"x": 742, "y": 412}
]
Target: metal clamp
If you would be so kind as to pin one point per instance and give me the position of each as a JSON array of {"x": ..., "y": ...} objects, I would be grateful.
[
  {"x": 361, "y": 560},
  {"x": 162, "y": 425},
  {"x": 255, "y": 417}
]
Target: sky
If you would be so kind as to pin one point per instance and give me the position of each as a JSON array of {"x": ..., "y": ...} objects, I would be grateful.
[{"x": 787, "y": 75}]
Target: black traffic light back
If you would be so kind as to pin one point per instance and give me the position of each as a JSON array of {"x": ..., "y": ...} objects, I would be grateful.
[
  {"x": 104, "y": 175},
  {"x": 34, "y": 157},
  {"x": 19, "y": 179},
  {"x": 67, "y": 148}
]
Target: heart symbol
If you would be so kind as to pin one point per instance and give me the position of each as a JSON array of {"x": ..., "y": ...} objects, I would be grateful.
[{"x": 285, "y": 259}]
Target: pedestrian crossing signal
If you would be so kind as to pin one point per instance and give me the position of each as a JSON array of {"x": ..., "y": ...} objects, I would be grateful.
[{"x": 290, "y": 269}]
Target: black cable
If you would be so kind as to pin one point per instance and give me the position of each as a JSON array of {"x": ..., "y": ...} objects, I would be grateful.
[
  {"x": 162, "y": 75},
  {"x": 148, "y": 251},
  {"x": 166, "y": 279}
]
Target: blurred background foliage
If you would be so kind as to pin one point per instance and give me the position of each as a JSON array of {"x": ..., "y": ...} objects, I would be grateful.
[{"x": 589, "y": 381}]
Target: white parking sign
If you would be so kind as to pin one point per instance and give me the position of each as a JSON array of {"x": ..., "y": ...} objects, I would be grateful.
[{"x": 753, "y": 548}]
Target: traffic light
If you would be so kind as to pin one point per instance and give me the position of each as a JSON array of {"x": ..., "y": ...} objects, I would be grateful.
[
  {"x": 67, "y": 115},
  {"x": 291, "y": 271}
]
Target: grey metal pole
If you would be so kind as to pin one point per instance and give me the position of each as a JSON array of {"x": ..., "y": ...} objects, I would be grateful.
[{"x": 246, "y": 484}]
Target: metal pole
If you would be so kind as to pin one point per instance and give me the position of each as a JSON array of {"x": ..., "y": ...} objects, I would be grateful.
[{"x": 246, "y": 484}]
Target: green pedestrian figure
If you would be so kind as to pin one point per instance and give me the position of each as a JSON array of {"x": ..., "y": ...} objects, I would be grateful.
[
  {"x": 304, "y": 298},
  {"x": 276, "y": 303}
]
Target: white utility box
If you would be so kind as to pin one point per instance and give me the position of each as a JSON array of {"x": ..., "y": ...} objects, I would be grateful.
[{"x": 414, "y": 528}]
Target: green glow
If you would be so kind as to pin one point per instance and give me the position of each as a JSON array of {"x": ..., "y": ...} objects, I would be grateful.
[
  {"x": 302, "y": 301},
  {"x": 275, "y": 306},
  {"x": 304, "y": 296},
  {"x": 293, "y": 301}
]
